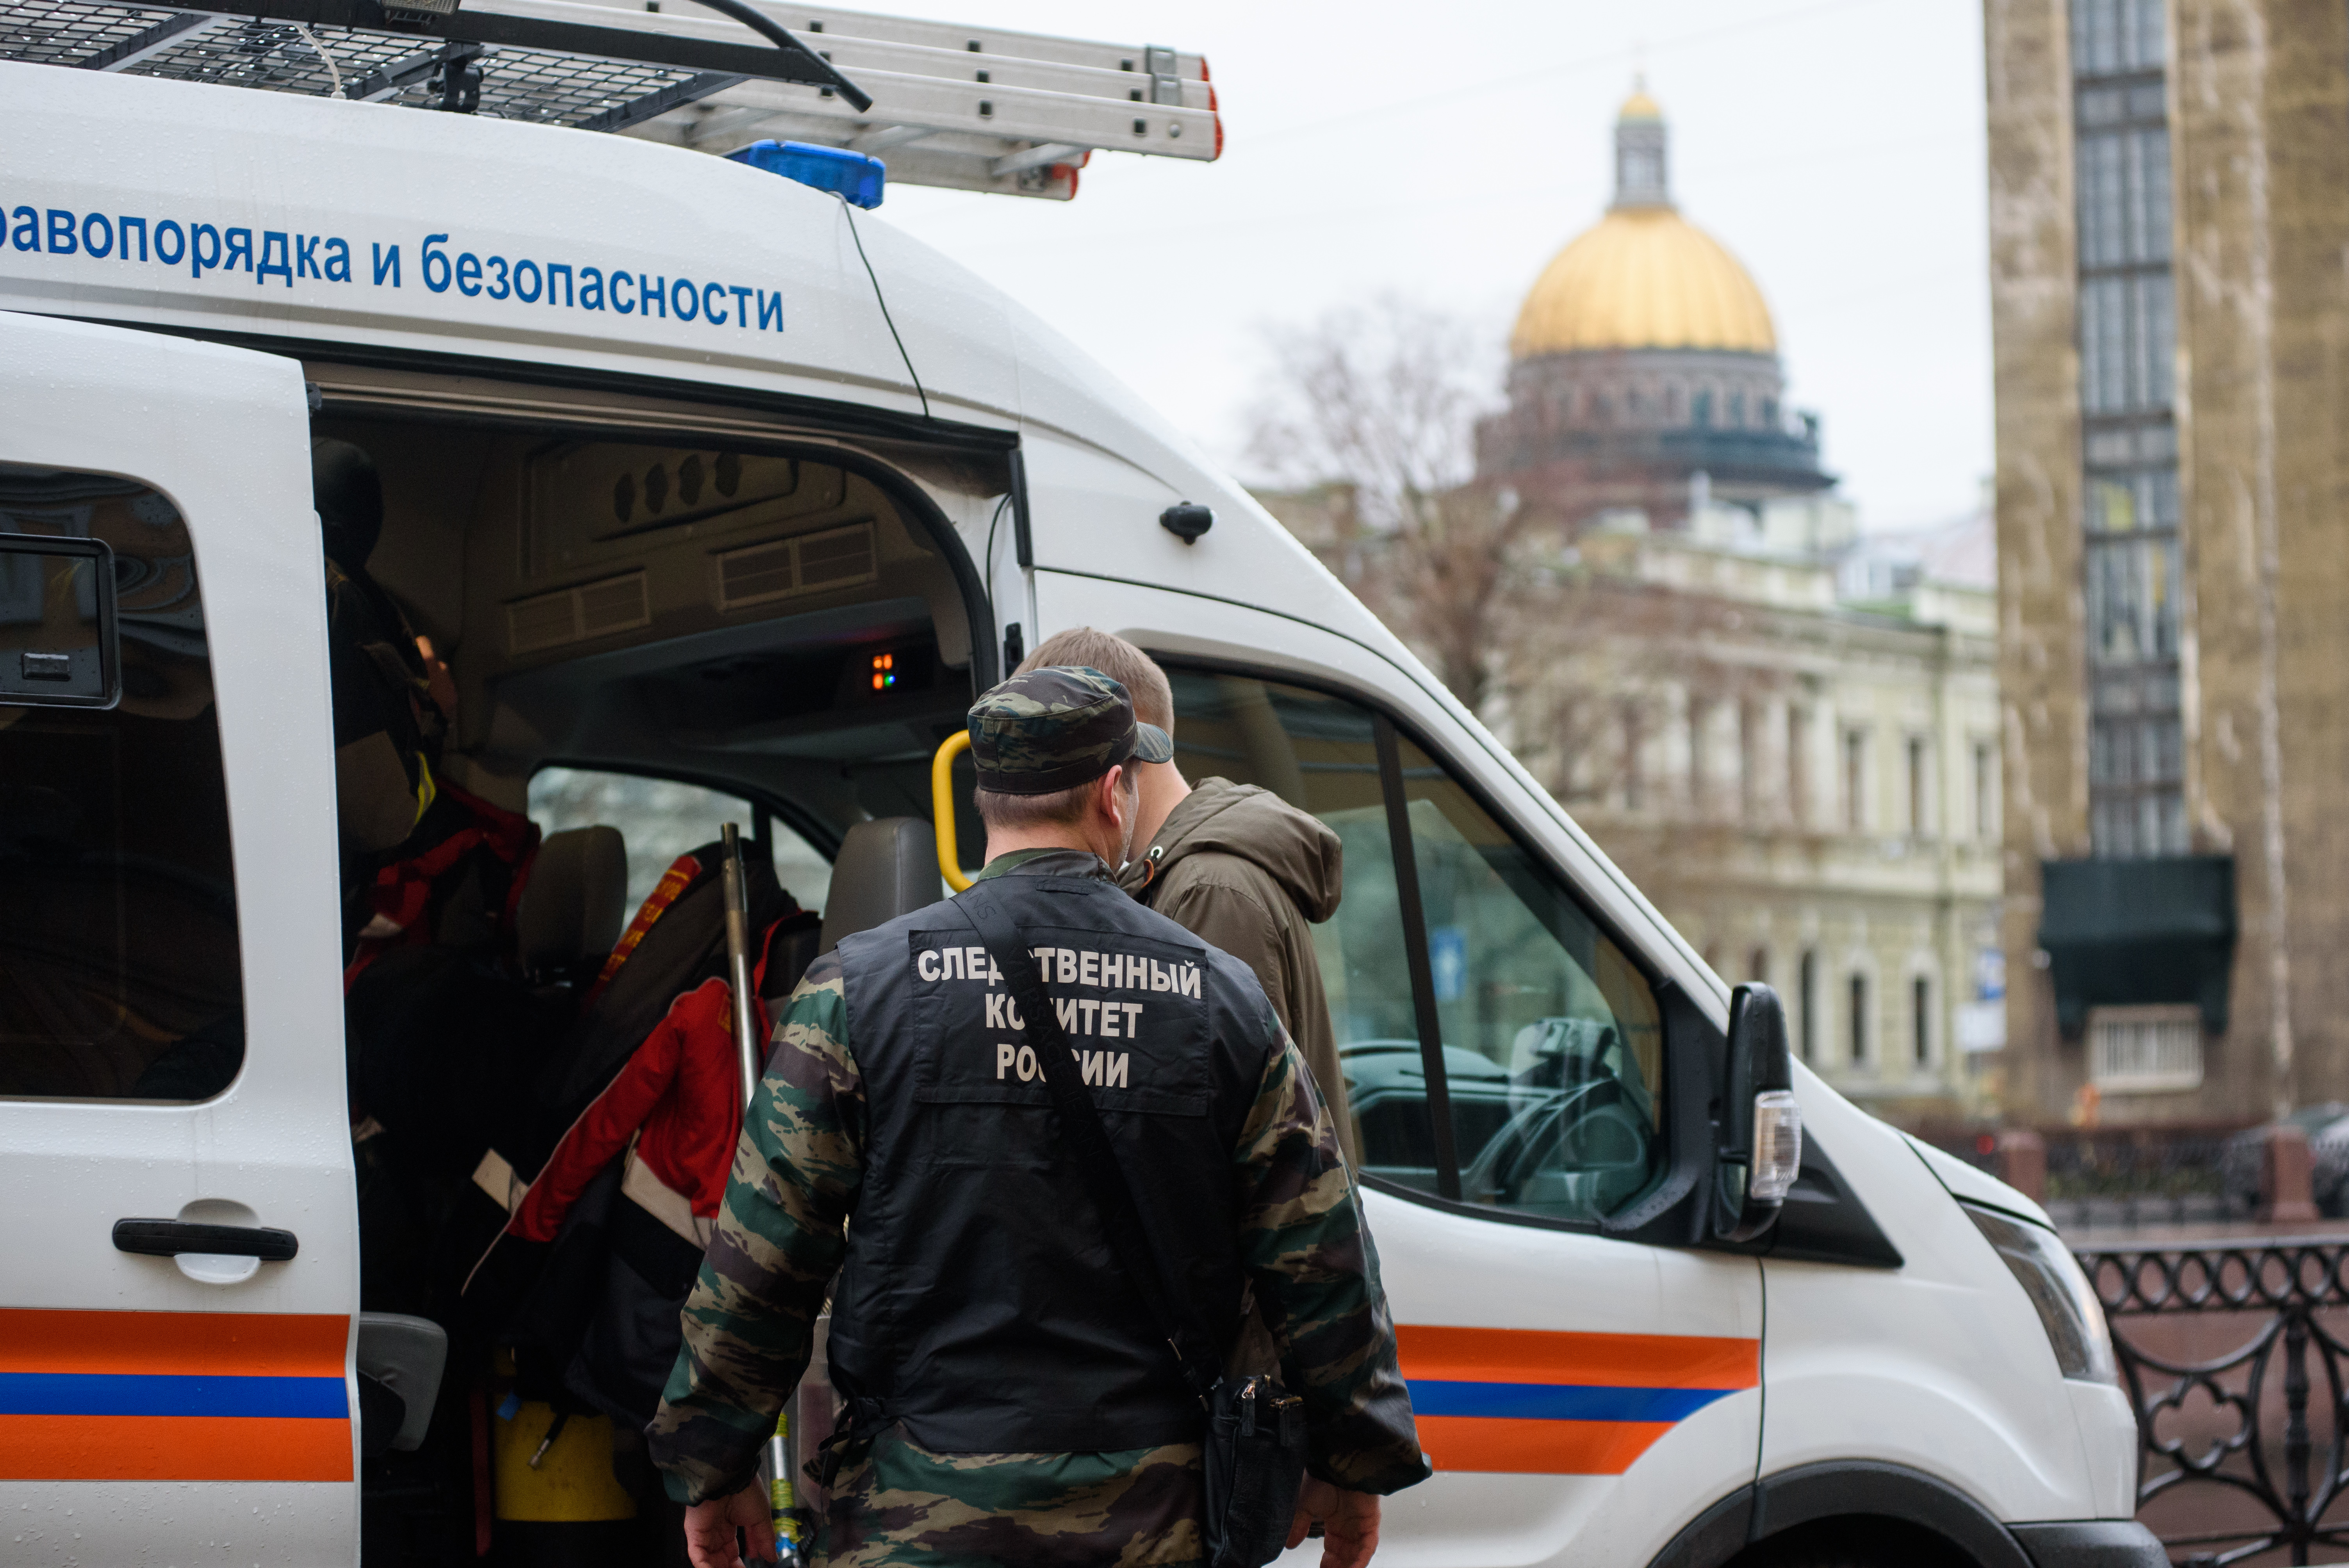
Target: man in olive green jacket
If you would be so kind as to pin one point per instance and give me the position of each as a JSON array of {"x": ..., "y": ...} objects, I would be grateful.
[{"x": 1235, "y": 865}]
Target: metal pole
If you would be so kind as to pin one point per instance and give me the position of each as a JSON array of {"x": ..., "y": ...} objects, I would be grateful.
[
  {"x": 737, "y": 889},
  {"x": 737, "y": 962}
]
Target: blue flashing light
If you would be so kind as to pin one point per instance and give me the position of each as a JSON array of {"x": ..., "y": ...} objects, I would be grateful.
[{"x": 850, "y": 175}]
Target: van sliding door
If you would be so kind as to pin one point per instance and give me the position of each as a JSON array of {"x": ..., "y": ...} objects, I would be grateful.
[{"x": 179, "y": 1236}]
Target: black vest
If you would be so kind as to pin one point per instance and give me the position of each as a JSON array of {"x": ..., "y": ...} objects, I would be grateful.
[{"x": 979, "y": 1302}]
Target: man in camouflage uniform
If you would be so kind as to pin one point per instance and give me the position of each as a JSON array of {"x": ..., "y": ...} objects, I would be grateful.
[{"x": 981, "y": 1325}]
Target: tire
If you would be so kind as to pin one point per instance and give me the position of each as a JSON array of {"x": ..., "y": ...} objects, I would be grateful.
[{"x": 1858, "y": 1543}]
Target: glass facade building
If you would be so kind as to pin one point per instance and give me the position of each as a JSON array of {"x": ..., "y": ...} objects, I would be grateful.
[{"x": 2127, "y": 327}]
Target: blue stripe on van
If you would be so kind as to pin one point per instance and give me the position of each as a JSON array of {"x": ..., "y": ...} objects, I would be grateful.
[
  {"x": 135, "y": 1393},
  {"x": 1558, "y": 1402}
]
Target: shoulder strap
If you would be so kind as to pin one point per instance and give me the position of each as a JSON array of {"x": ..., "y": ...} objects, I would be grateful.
[{"x": 1087, "y": 1140}]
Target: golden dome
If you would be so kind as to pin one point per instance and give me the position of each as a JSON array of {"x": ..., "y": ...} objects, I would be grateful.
[{"x": 1644, "y": 278}]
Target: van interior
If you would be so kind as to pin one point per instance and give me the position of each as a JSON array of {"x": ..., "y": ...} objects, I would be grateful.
[
  {"x": 788, "y": 621},
  {"x": 655, "y": 621}
]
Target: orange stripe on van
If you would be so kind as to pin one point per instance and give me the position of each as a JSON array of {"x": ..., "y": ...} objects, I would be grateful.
[
  {"x": 173, "y": 1447},
  {"x": 224, "y": 1343},
  {"x": 1536, "y": 1448},
  {"x": 1445, "y": 1354}
]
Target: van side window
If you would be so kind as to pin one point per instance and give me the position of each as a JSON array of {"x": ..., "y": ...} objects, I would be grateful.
[
  {"x": 1552, "y": 1041},
  {"x": 661, "y": 819},
  {"x": 120, "y": 972}
]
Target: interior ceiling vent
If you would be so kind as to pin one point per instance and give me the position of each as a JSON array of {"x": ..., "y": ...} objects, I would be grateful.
[
  {"x": 574, "y": 614},
  {"x": 808, "y": 563}
]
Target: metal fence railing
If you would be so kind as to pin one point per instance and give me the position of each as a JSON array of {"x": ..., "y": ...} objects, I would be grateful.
[
  {"x": 2107, "y": 1179},
  {"x": 2233, "y": 1356},
  {"x": 2098, "y": 1180}
]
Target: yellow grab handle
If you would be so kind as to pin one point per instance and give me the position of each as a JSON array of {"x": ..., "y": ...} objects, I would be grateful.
[{"x": 942, "y": 807}]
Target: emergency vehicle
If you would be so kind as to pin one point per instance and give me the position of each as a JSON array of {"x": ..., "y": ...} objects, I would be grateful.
[{"x": 705, "y": 479}]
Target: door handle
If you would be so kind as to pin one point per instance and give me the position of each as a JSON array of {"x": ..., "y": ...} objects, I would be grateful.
[{"x": 169, "y": 1238}]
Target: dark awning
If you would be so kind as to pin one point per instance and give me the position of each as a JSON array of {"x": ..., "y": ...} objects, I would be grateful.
[{"x": 2134, "y": 933}]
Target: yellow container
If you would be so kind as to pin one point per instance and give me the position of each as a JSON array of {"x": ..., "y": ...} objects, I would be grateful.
[{"x": 572, "y": 1483}]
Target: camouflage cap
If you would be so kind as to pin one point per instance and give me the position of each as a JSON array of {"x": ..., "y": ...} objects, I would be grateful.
[{"x": 1055, "y": 728}]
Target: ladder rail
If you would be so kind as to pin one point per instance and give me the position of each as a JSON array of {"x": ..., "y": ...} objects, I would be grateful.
[
  {"x": 942, "y": 104},
  {"x": 1013, "y": 115},
  {"x": 957, "y": 38},
  {"x": 901, "y": 65}
]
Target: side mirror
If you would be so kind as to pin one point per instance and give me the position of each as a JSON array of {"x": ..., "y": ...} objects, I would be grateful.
[
  {"x": 57, "y": 646},
  {"x": 1761, "y": 1127}
]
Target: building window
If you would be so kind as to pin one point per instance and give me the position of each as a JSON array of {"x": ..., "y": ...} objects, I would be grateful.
[
  {"x": 1920, "y": 1019},
  {"x": 1634, "y": 791},
  {"x": 1806, "y": 984},
  {"x": 1798, "y": 779},
  {"x": 1749, "y": 761},
  {"x": 1917, "y": 786},
  {"x": 1859, "y": 1020},
  {"x": 2127, "y": 311},
  {"x": 1983, "y": 829},
  {"x": 1854, "y": 779},
  {"x": 2110, "y": 37},
  {"x": 2142, "y": 1050},
  {"x": 1700, "y": 759}
]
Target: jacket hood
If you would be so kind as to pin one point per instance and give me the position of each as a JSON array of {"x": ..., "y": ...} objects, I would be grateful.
[{"x": 1299, "y": 851}]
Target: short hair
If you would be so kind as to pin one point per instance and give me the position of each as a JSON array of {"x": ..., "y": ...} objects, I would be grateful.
[
  {"x": 1004, "y": 812},
  {"x": 1137, "y": 672}
]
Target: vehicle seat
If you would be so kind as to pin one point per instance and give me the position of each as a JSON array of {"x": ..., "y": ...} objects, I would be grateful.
[
  {"x": 572, "y": 906},
  {"x": 885, "y": 867}
]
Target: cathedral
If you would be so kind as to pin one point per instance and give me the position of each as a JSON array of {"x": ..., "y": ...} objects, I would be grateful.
[
  {"x": 1784, "y": 731},
  {"x": 1644, "y": 368}
]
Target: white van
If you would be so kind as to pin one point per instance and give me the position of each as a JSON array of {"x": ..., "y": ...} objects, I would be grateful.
[{"x": 538, "y": 333}]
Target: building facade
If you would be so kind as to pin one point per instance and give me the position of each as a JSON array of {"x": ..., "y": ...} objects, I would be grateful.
[
  {"x": 2169, "y": 210},
  {"x": 1786, "y": 731},
  {"x": 1803, "y": 779}
]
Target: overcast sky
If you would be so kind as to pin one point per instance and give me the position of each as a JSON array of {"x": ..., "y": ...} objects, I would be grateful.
[{"x": 1445, "y": 153}]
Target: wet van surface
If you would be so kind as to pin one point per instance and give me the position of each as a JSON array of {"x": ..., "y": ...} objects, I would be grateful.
[{"x": 720, "y": 499}]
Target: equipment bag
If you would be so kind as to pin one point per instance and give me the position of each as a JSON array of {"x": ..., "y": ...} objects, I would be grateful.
[
  {"x": 1255, "y": 1458},
  {"x": 645, "y": 1096}
]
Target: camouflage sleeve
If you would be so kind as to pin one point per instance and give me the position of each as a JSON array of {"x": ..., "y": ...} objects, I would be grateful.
[
  {"x": 778, "y": 1242},
  {"x": 1316, "y": 1273}
]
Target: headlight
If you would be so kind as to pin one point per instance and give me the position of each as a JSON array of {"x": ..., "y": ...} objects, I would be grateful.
[{"x": 2051, "y": 1278}]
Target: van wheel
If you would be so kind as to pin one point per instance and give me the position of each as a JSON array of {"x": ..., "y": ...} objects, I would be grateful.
[{"x": 1855, "y": 1544}]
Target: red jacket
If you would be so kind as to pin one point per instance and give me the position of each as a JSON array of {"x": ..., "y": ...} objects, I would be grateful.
[{"x": 680, "y": 1097}]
